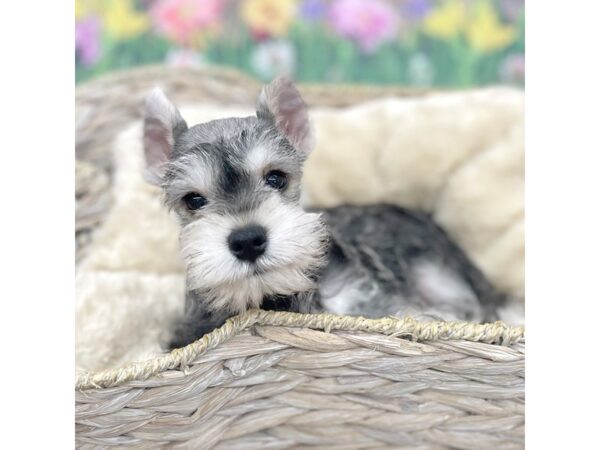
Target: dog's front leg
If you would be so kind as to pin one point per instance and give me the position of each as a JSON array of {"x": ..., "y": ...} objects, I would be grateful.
[{"x": 196, "y": 322}]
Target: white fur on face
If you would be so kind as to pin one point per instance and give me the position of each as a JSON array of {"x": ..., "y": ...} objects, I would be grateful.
[
  {"x": 295, "y": 249},
  {"x": 257, "y": 159},
  {"x": 194, "y": 175}
]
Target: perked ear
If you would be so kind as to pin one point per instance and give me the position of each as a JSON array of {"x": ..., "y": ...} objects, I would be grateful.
[
  {"x": 281, "y": 102},
  {"x": 162, "y": 124}
]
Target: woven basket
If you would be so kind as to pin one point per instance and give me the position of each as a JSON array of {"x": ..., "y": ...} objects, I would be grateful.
[{"x": 284, "y": 380}]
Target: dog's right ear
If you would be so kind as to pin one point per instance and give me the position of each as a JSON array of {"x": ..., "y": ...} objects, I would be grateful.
[
  {"x": 162, "y": 125},
  {"x": 281, "y": 103}
]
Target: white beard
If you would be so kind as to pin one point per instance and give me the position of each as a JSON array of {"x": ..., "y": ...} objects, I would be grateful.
[{"x": 295, "y": 250}]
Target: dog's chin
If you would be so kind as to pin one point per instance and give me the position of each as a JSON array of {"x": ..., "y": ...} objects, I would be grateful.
[
  {"x": 258, "y": 271},
  {"x": 241, "y": 293}
]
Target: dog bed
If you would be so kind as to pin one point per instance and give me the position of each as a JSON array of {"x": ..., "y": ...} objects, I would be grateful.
[{"x": 285, "y": 380}]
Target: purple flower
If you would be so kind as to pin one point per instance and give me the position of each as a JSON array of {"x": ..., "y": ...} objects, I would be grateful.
[
  {"x": 367, "y": 22},
  {"x": 416, "y": 10},
  {"x": 87, "y": 40},
  {"x": 511, "y": 9},
  {"x": 313, "y": 10}
]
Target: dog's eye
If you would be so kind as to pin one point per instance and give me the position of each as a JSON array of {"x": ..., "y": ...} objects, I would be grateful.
[
  {"x": 194, "y": 201},
  {"x": 276, "y": 179}
]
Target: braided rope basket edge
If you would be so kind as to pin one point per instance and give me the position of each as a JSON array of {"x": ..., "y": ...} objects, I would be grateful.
[{"x": 492, "y": 333}]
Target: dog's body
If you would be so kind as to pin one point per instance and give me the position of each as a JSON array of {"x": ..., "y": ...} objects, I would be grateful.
[{"x": 247, "y": 243}]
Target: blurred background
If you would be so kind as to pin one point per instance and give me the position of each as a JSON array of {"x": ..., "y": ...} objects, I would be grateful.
[{"x": 420, "y": 43}]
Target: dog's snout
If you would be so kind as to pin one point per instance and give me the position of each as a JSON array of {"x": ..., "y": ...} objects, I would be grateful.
[{"x": 248, "y": 243}]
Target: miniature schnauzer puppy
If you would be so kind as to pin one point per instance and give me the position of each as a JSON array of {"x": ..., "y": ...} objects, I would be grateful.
[{"x": 234, "y": 185}]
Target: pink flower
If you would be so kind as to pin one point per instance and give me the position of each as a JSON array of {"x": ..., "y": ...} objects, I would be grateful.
[
  {"x": 367, "y": 22},
  {"x": 184, "y": 21},
  {"x": 87, "y": 40}
]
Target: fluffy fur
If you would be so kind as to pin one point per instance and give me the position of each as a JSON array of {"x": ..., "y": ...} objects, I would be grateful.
[
  {"x": 296, "y": 250},
  {"x": 130, "y": 286},
  {"x": 458, "y": 156},
  {"x": 388, "y": 260}
]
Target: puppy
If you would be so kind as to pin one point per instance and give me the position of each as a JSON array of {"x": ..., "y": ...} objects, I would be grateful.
[{"x": 234, "y": 185}]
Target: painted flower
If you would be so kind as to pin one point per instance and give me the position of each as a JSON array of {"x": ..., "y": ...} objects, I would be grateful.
[
  {"x": 87, "y": 40},
  {"x": 313, "y": 10},
  {"x": 367, "y": 22},
  {"x": 512, "y": 69},
  {"x": 446, "y": 21},
  {"x": 511, "y": 10},
  {"x": 420, "y": 70},
  {"x": 416, "y": 10},
  {"x": 485, "y": 32},
  {"x": 268, "y": 17},
  {"x": 273, "y": 58},
  {"x": 187, "y": 22},
  {"x": 85, "y": 8},
  {"x": 121, "y": 20}
]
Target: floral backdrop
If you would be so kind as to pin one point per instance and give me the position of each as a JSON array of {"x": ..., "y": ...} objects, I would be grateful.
[{"x": 452, "y": 43}]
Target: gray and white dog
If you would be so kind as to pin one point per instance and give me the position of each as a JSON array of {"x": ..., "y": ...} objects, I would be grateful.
[{"x": 235, "y": 184}]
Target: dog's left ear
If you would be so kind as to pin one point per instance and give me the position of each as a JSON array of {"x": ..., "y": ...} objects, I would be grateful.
[{"x": 280, "y": 102}]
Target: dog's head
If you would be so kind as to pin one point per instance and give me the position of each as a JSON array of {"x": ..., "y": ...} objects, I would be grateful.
[{"x": 235, "y": 187}]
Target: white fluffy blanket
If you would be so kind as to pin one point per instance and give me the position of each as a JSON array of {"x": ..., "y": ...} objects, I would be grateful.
[{"x": 457, "y": 155}]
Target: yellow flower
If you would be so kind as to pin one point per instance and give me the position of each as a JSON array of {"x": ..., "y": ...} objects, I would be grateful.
[
  {"x": 269, "y": 16},
  {"x": 446, "y": 21},
  {"x": 485, "y": 32},
  {"x": 84, "y": 8},
  {"x": 121, "y": 20}
]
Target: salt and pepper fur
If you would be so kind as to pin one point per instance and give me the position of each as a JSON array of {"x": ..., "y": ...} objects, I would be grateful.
[
  {"x": 372, "y": 261},
  {"x": 387, "y": 260}
]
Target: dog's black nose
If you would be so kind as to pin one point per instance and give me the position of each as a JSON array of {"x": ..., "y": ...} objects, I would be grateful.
[{"x": 248, "y": 243}]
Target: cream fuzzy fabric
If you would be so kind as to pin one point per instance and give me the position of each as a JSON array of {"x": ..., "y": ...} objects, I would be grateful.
[{"x": 457, "y": 155}]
